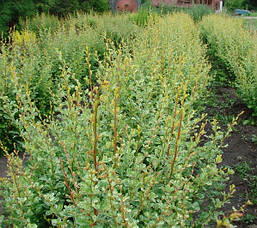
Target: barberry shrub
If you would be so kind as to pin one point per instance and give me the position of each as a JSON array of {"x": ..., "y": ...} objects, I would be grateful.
[
  {"x": 235, "y": 49},
  {"x": 130, "y": 149},
  {"x": 37, "y": 54}
]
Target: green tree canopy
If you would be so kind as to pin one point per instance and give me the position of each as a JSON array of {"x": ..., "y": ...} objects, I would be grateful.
[
  {"x": 12, "y": 10},
  {"x": 241, "y": 4}
]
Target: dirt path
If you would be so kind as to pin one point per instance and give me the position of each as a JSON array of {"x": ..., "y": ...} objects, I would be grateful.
[
  {"x": 3, "y": 169},
  {"x": 241, "y": 156},
  {"x": 240, "y": 153}
]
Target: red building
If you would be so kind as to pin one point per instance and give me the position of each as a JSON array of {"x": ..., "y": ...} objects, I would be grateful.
[
  {"x": 133, "y": 5},
  {"x": 214, "y": 4}
]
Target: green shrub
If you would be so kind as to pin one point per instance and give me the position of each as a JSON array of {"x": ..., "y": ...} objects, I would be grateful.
[
  {"x": 117, "y": 29},
  {"x": 141, "y": 18},
  {"x": 38, "y": 53},
  {"x": 145, "y": 16},
  {"x": 197, "y": 11},
  {"x": 235, "y": 49},
  {"x": 250, "y": 24},
  {"x": 234, "y": 4},
  {"x": 10, "y": 12},
  {"x": 39, "y": 24},
  {"x": 125, "y": 152}
]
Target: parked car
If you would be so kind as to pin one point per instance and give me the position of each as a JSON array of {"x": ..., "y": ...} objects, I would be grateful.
[{"x": 240, "y": 12}]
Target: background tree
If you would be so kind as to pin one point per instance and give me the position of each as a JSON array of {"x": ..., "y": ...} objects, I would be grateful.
[
  {"x": 241, "y": 4},
  {"x": 251, "y": 4},
  {"x": 12, "y": 10}
]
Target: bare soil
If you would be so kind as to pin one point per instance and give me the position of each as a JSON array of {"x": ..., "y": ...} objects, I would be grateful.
[
  {"x": 3, "y": 170},
  {"x": 241, "y": 149}
]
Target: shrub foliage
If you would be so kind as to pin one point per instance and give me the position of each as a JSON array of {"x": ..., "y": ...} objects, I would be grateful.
[
  {"x": 235, "y": 50},
  {"x": 37, "y": 54},
  {"x": 125, "y": 150}
]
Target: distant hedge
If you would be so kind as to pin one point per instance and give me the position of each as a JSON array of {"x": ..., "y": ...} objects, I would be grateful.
[
  {"x": 235, "y": 50},
  {"x": 12, "y": 10}
]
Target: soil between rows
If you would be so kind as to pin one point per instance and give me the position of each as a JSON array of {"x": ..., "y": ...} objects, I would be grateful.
[{"x": 241, "y": 149}]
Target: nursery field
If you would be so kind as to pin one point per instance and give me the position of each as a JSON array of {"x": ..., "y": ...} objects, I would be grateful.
[{"x": 138, "y": 120}]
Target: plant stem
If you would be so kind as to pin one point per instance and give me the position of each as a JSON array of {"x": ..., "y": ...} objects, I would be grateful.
[
  {"x": 90, "y": 73},
  {"x": 66, "y": 182},
  {"x": 179, "y": 133},
  {"x": 173, "y": 122},
  {"x": 95, "y": 132},
  {"x": 116, "y": 94}
]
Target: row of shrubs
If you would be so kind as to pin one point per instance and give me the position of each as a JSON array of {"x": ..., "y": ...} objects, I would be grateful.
[
  {"x": 54, "y": 35},
  {"x": 124, "y": 149},
  {"x": 14, "y": 13},
  {"x": 147, "y": 12},
  {"x": 37, "y": 54},
  {"x": 234, "y": 49}
]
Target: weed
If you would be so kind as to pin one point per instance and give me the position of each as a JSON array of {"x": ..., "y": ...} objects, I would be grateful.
[
  {"x": 247, "y": 174},
  {"x": 249, "y": 218},
  {"x": 225, "y": 119},
  {"x": 242, "y": 169},
  {"x": 254, "y": 139}
]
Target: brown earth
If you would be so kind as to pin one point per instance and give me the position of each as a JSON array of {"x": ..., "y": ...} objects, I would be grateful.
[
  {"x": 241, "y": 151},
  {"x": 3, "y": 169}
]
